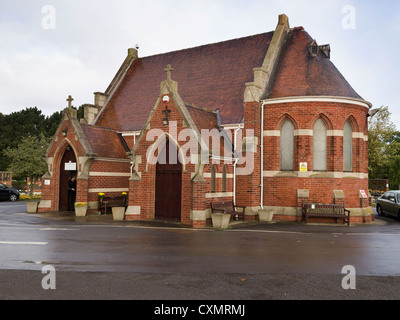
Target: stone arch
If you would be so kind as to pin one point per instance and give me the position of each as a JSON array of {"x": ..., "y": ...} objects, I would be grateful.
[
  {"x": 324, "y": 118},
  {"x": 66, "y": 154},
  {"x": 283, "y": 118},
  {"x": 353, "y": 123},
  {"x": 158, "y": 145}
]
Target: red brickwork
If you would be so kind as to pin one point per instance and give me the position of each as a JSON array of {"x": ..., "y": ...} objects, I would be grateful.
[
  {"x": 85, "y": 182},
  {"x": 303, "y": 116},
  {"x": 193, "y": 192},
  {"x": 248, "y": 186},
  {"x": 218, "y": 85},
  {"x": 280, "y": 190},
  {"x": 51, "y": 192}
]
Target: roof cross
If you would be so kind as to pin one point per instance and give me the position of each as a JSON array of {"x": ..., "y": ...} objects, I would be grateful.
[
  {"x": 70, "y": 99},
  {"x": 168, "y": 70}
]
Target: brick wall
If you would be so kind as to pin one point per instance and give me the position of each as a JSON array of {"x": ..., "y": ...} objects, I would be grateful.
[
  {"x": 108, "y": 175},
  {"x": 248, "y": 186},
  {"x": 196, "y": 195},
  {"x": 50, "y": 192},
  {"x": 280, "y": 187}
]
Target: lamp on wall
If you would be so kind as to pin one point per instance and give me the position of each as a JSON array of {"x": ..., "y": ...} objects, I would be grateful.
[
  {"x": 166, "y": 113},
  {"x": 64, "y": 132}
]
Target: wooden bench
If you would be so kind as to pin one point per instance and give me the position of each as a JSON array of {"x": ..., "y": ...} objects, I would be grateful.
[
  {"x": 228, "y": 207},
  {"x": 323, "y": 210},
  {"x": 108, "y": 202}
]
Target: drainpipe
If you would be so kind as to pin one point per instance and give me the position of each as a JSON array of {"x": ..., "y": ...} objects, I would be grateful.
[
  {"x": 262, "y": 157},
  {"x": 234, "y": 165}
]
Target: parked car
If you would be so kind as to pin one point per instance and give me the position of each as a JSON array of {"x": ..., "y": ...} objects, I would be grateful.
[
  {"x": 8, "y": 194},
  {"x": 389, "y": 203}
]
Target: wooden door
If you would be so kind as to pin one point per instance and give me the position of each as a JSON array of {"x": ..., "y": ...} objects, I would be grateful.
[
  {"x": 168, "y": 188},
  {"x": 65, "y": 175}
]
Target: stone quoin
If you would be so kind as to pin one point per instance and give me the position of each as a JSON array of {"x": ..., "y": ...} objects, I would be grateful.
[{"x": 265, "y": 120}]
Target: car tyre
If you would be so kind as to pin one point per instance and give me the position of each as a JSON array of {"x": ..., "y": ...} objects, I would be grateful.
[
  {"x": 13, "y": 198},
  {"x": 379, "y": 210}
]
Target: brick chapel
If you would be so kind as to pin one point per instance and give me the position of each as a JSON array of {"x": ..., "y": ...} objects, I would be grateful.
[{"x": 266, "y": 121}]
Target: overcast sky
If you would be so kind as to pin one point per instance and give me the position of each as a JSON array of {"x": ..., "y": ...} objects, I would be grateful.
[{"x": 54, "y": 48}]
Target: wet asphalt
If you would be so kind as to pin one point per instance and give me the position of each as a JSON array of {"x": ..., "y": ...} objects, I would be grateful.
[{"x": 96, "y": 258}]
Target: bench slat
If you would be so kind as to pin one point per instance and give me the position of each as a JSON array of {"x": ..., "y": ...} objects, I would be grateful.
[
  {"x": 228, "y": 207},
  {"x": 323, "y": 210},
  {"x": 109, "y": 202}
]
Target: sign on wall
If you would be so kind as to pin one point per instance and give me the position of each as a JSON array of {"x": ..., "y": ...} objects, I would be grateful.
[
  {"x": 70, "y": 166},
  {"x": 363, "y": 195},
  {"x": 303, "y": 166}
]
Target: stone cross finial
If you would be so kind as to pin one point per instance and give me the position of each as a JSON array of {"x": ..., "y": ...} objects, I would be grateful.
[
  {"x": 70, "y": 99},
  {"x": 168, "y": 70}
]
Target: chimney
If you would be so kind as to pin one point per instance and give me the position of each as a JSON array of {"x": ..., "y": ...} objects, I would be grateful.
[
  {"x": 89, "y": 113},
  {"x": 133, "y": 53},
  {"x": 218, "y": 117},
  {"x": 100, "y": 99}
]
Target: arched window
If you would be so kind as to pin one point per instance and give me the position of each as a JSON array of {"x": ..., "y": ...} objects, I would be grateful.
[
  {"x": 319, "y": 146},
  {"x": 213, "y": 174},
  {"x": 347, "y": 147},
  {"x": 224, "y": 179},
  {"x": 287, "y": 145}
]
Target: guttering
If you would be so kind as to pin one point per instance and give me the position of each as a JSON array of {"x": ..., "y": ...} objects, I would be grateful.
[{"x": 334, "y": 99}]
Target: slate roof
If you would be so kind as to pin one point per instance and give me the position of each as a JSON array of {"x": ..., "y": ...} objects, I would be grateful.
[
  {"x": 299, "y": 74},
  {"x": 211, "y": 76},
  {"x": 207, "y": 119},
  {"x": 105, "y": 142},
  {"x": 203, "y": 118}
]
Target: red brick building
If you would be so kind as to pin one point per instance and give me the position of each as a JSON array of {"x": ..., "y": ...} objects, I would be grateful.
[{"x": 266, "y": 121}]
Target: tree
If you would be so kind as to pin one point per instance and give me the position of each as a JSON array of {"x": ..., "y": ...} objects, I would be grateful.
[
  {"x": 27, "y": 158},
  {"x": 51, "y": 124},
  {"x": 15, "y": 126},
  {"x": 384, "y": 147},
  {"x": 394, "y": 173}
]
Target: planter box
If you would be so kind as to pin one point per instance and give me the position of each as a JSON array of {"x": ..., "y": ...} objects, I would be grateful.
[
  {"x": 118, "y": 213},
  {"x": 80, "y": 211},
  {"x": 265, "y": 215},
  {"x": 220, "y": 220},
  {"x": 31, "y": 206}
]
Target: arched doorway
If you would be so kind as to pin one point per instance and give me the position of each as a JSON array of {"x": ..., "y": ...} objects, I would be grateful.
[
  {"x": 67, "y": 170},
  {"x": 168, "y": 189}
]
